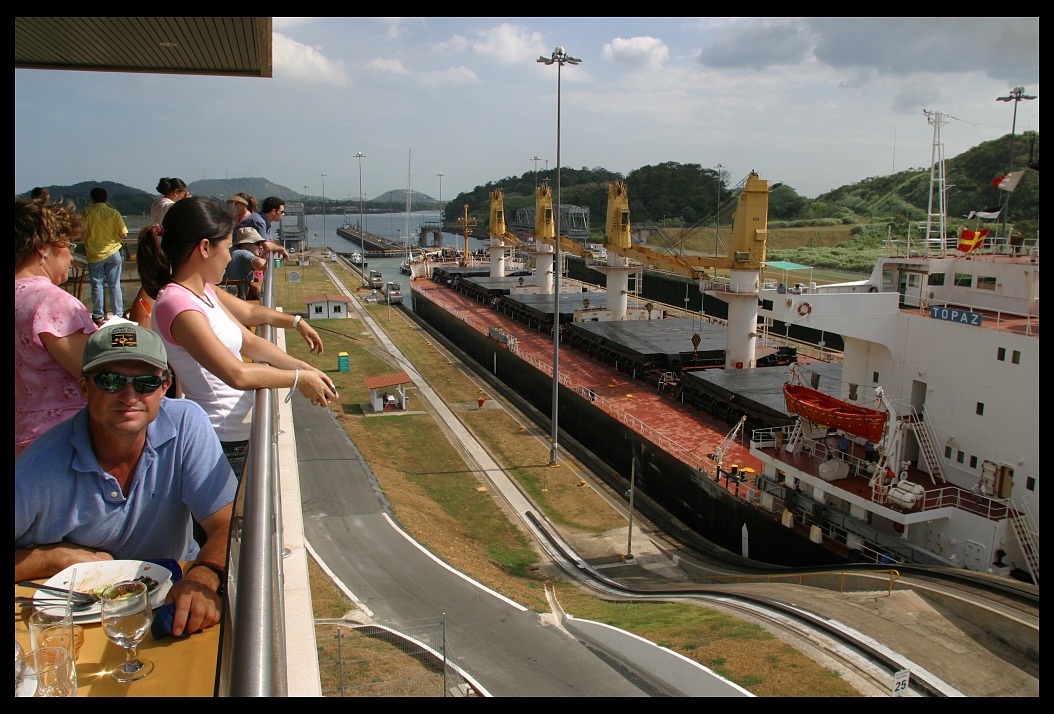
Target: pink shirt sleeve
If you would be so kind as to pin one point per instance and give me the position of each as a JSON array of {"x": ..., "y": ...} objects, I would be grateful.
[{"x": 172, "y": 300}]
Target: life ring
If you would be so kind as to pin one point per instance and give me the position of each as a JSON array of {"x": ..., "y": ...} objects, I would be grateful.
[
  {"x": 804, "y": 309},
  {"x": 872, "y": 289}
]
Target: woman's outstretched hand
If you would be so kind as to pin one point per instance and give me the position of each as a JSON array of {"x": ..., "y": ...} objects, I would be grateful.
[
  {"x": 314, "y": 342},
  {"x": 317, "y": 386}
]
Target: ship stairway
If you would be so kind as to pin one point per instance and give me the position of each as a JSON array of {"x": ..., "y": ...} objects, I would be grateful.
[
  {"x": 928, "y": 449},
  {"x": 1025, "y": 530},
  {"x": 796, "y": 438}
]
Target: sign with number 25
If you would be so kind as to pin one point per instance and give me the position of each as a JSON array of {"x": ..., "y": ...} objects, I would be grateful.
[{"x": 900, "y": 682}]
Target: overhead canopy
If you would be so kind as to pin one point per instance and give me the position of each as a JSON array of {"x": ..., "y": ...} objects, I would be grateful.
[
  {"x": 786, "y": 265},
  {"x": 227, "y": 46}
]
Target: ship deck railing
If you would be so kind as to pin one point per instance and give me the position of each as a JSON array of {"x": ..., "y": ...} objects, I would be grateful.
[{"x": 814, "y": 452}]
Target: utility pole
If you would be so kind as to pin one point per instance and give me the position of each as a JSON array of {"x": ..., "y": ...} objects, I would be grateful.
[
  {"x": 324, "y": 247},
  {"x": 1015, "y": 96},
  {"x": 717, "y": 213},
  {"x": 535, "y": 159},
  {"x": 441, "y": 211}
]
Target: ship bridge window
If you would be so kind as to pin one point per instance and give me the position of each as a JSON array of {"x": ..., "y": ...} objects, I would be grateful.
[
  {"x": 973, "y": 462},
  {"x": 936, "y": 278},
  {"x": 980, "y": 409},
  {"x": 986, "y": 282},
  {"x": 1015, "y": 356},
  {"x": 963, "y": 280},
  {"x": 1001, "y": 354}
]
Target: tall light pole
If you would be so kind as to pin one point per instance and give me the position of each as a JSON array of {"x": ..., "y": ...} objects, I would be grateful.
[
  {"x": 441, "y": 211},
  {"x": 324, "y": 212},
  {"x": 536, "y": 159},
  {"x": 717, "y": 220},
  {"x": 1015, "y": 96},
  {"x": 303, "y": 196},
  {"x": 360, "y": 156},
  {"x": 559, "y": 58}
]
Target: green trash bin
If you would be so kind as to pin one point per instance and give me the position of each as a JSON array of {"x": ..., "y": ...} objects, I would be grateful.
[{"x": 343, "y": 362}]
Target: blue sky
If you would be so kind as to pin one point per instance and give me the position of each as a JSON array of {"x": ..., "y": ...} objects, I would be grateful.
[{"x": 815, "y": 103}]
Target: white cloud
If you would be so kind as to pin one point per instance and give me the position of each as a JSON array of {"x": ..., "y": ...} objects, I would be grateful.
[
  {"x": 448, "y": 77},
  {"x": 509, "y": 44},
  {"x": 645, "y": 52},
  {"x": 293, "y": 60},
  {"x": 384, "y": 64}
]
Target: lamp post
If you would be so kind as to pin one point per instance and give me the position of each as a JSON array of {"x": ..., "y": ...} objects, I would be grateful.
[
  {"x": 360, "y": 156},
  {"x": 559, "y": 58},
  {"x": 536, "y": 159},
  {"x": 324, "y": 212},
  {"x": 1015, "y": 96},
  {"x": 441, "y": 211},
  {"x": 717, "y": 213}
]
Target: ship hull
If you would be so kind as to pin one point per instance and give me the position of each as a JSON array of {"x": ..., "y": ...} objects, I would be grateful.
[{"x": 707, "y": 509}]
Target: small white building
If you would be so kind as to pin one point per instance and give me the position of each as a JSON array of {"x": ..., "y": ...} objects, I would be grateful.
[{"x": 324, "y": 305}]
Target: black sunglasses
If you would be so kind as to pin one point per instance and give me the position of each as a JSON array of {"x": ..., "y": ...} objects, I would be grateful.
[{"x": 113, "y": 383}]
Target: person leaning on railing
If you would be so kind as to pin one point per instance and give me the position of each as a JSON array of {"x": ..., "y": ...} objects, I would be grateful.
[{"x": 205, "y": 330}]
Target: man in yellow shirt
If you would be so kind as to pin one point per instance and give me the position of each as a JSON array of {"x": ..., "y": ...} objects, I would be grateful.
[{"x": 104, "y": 231}]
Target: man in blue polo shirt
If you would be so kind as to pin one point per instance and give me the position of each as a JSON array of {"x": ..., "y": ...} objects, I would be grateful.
[{"x": 123, "y": 478}]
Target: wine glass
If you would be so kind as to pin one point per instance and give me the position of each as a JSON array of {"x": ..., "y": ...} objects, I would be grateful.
[{"x": 126, "y": 616}]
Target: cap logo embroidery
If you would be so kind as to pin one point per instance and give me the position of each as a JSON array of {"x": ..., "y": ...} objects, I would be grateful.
[{"x": 124, "y": 339}]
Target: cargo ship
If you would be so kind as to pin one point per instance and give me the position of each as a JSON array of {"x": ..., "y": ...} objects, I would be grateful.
[{"x": 918, "y": 443}]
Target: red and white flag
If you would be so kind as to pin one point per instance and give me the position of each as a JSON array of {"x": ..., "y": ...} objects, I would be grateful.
[
  {"x": 1008, "y": 182},
  {"x": 969, "y": 240}
]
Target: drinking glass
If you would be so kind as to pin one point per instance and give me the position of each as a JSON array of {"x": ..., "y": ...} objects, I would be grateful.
[
  {"x": 52, "y": 626},
  {"x": 126, "y": 616},
  {"x": 20, "y": 667},
  {"x": 48, "y": 672}
]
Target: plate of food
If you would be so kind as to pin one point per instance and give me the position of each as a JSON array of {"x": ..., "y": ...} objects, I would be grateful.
[{"x": 94, "y": 578}]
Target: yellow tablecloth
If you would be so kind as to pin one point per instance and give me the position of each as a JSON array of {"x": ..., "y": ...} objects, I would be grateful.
[{"x": 182, "y": 667}]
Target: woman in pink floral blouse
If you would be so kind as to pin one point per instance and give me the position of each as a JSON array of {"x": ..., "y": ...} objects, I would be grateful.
[{"x": 51, "y": 325}]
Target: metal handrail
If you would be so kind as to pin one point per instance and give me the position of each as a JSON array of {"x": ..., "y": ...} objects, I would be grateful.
[{"x": 252, "y": 646}]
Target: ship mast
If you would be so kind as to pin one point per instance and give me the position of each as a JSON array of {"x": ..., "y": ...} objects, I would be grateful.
[{"x": 937, "y": 185}]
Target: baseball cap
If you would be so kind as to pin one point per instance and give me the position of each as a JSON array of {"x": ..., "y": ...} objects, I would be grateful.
[
  {"x": 247, "y": 234},
  {"x": 238, "y": 199},
  {"x": 116, "y": 343}
]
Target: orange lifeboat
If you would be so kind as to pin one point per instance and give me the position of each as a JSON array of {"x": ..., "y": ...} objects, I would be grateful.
[{"x": 823, "y": 409}]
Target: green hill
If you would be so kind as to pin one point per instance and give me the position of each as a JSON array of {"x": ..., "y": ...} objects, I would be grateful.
[{"x": 688, "y": 196}]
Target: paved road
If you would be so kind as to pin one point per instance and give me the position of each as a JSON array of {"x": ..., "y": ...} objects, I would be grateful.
[{"x": 507, "y": 649}]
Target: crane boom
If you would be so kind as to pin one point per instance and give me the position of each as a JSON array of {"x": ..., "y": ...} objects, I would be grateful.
[
  {"x": 749, "y": 234},
  {"x": 719, "y": 454}
]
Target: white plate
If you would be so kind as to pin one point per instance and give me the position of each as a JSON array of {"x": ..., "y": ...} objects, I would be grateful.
[{"x": 93, "y": 576}]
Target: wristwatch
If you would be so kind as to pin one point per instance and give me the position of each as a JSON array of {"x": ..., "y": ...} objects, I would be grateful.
[
  {"x": 297, "y": 320},
  {"x": 220, "y": 573}
]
